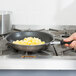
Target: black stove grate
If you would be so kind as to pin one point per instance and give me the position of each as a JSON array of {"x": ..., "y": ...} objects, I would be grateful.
[{"x": 53, "y": 50}]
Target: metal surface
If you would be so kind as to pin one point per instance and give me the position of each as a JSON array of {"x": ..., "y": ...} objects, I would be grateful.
[
  {"x": 56, "y": 57},
  {"x": 52, "y": 63},
  {"x": 5, "y": 22},
  {"x": 55, "y": 43},
  {"x": 48, "y": 38},
  {"x": 32, "y": 48}
]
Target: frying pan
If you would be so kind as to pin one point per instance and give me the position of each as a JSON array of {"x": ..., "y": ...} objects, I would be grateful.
[{"x": 32, "y": 48}]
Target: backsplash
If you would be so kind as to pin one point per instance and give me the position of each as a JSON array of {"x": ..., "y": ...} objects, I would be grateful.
[
  {"x": 38, "y": 27},
  {"x": 43, "y": 13}
]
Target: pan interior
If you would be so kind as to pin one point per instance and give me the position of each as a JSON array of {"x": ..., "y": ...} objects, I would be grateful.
[{"x": 21, "y": 35}]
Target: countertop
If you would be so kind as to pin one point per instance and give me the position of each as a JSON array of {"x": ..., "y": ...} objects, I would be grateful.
[{"x": 53, "y": 63}]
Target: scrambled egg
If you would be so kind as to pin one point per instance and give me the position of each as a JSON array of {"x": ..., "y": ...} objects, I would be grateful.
[{"x": 29, "y": 41}]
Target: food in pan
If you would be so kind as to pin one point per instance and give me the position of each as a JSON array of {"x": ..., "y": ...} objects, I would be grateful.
[{"x": 29, "y": 41}]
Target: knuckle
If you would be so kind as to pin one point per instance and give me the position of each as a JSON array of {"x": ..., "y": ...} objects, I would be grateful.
[
  {"x": 73, "y": 44},
  {"x": 75, "y": 37}
]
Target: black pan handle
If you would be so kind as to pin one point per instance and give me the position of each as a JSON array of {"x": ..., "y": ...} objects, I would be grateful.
[{"x": 63, "y": 42}]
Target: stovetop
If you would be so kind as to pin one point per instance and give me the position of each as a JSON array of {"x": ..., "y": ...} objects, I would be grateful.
[{"x": 53, "y": 50}]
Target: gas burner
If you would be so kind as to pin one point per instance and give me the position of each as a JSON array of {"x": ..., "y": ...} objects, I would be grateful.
[
  {"x": 65, "y": 35},
  {"x": 69, "y": 52},
  {"x": 52, "y": 50},
  {"x": 12, "y": 53},
  {"x": 64, "y": 51}
]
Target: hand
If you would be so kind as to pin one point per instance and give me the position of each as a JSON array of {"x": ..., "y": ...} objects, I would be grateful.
[{"x": 71, "y": 38}]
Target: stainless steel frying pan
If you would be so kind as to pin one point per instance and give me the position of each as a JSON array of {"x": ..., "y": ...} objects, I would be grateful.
[{"x": 32, "y": 48}]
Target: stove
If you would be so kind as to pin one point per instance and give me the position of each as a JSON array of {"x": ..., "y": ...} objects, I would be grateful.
[{"x": 52, "y": 50}]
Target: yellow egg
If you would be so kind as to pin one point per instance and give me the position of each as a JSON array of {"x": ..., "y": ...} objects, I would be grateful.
[{"x": 29, "y": 41}]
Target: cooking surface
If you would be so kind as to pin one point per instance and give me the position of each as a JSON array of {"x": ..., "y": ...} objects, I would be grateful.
[
  {"x": 56, "y": 57},
  {"x": 53, "y": 50}
]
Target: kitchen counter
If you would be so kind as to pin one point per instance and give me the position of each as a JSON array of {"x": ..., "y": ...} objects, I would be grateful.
[
  {"x": 53, "y": 63},
  {"x": 60, "y": 58}
]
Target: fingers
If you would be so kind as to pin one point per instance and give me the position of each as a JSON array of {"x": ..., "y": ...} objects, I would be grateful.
[
  {"x": 72, "y": 45},
  {"x": 72, "y": 37},
  {"x": 67, "y": 45},
  {"x": 68, "y": 39}
]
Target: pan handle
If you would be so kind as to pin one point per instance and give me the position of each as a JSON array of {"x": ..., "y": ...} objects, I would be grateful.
[{"x": 62, "y": 42}]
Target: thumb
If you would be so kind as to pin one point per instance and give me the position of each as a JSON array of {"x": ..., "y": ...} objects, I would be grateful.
[{"x": 68, "y": 39}]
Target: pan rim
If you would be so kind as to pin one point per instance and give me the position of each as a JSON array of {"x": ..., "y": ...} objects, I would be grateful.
[
  {"x": 30, "y": 45},
  {"x": 27, "y": 31}
]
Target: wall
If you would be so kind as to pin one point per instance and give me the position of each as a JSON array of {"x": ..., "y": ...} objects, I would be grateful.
[{"x": 44, "y": 13}]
